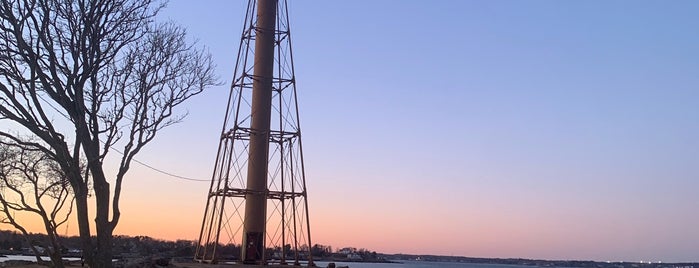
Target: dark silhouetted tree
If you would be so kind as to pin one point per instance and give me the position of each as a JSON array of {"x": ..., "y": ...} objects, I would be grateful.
[
  {"x": 31, "y": 183},
  {"x": 84, "y": 78}
]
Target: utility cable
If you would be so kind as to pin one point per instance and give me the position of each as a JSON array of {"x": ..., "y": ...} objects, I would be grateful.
[
  {"x": 157, "y": 169},
  {"x": 120, "y": 152}
]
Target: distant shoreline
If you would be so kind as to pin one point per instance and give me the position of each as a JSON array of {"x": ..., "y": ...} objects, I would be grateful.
[
  {"x": 355, "y": 261},
  {"x": 538, "y": 263}
]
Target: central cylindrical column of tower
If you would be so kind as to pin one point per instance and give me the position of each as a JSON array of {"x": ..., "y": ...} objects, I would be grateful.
[{"x": 256, "y": 200}]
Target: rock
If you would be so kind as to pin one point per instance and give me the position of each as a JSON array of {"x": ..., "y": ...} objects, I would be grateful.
[{"x": 162, "y": 261}]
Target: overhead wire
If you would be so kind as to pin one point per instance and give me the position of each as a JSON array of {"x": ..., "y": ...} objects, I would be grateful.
[{"x": 134, "y": 159}]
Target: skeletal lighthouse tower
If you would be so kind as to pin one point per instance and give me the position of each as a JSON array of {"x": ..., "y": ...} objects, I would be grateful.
[{"x": 257, "y": 197}]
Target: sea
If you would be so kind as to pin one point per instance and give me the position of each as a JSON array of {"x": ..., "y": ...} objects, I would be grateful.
[
  {"x": 30, "y": 258},
  {"x": 420, "y": 264}
]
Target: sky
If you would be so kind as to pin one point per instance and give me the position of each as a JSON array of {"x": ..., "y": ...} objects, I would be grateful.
[{"x": 533, "y": 129}]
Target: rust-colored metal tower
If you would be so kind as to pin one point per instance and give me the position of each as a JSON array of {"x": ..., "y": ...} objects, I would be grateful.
[{"x": 257, "y": 195}]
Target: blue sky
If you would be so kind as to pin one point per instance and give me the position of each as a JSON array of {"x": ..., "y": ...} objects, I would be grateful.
[{"x": 536, "y": 129}]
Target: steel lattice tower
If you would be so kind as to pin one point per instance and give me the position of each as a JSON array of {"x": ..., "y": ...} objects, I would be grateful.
[{"x": 257, "y": 197}]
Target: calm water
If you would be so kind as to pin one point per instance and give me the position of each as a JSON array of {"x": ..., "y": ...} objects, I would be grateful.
[
  {"x": 421, "y": 264},
  {"x": 30, "y": 258}
]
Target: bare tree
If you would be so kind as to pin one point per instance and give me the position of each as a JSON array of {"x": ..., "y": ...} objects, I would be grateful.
[
  {"x": 85, "y": 77},
  {"x": 32, "y": 183}
]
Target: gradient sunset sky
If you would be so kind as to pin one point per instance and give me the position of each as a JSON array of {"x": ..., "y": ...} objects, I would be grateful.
[{"x": 534, "y": 129}]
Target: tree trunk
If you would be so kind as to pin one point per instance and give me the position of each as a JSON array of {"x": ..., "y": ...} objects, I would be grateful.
[
  {"x": 103, "y": 258},
  {"x": 36, "y": 252},
  {"x": 55, "y": 251},
  {"x": 104, "y": 254},
  {"x": 84, "y": 227},
  {"x": 56, "y": 258}
]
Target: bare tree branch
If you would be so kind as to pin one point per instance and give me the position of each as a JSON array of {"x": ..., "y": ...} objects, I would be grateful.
[
  {"x": 107, "y": 70},
  {"x": 29, "y": 181}
]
